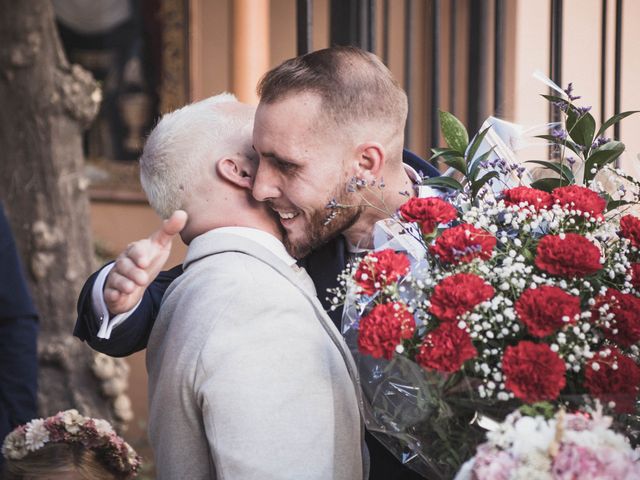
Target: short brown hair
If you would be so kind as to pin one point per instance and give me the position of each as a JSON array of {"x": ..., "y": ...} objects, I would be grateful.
[
  {"x": 59, "y": 458},
  {"x": 354, "y": 85}
]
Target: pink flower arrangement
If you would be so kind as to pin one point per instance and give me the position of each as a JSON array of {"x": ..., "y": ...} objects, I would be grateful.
[{"x": 568, "y": 446}]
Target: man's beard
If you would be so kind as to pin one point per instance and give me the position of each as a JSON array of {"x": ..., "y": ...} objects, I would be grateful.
[{"x": 320, "y": 230}]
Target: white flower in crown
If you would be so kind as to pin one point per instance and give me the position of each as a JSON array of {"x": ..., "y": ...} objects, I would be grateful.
[
  {"x": 36, "y": 435},
  {"x": 72, "y": 420},
  {"x": 103, "y": 427},
  {"x": 14, "y": 446}
]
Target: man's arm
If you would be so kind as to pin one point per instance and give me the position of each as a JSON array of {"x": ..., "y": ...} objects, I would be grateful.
[{"x": 133, "y": 289}]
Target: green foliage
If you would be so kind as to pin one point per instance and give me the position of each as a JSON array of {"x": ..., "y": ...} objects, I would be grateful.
[
  {"x": 615, "y": 119},
  {"x": 460, "y": 155},
  {"x": 446, "y": 182},
  {"x": 581, "y": 128},
  {"x": 578, "y": 135},
  {"x": 561, "y": 169},
  {"x": 593, "y": 151},
  {"x": 601, "y": 157},
  {"x": 454, "y": 132},
  {"x": 544, "y": 409}
]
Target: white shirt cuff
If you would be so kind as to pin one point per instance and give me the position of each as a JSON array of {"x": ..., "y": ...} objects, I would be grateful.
[{"x": 100, "y": 309}]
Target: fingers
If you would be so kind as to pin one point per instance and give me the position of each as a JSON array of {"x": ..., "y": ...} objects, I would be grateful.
[
  {"x": 112, "y": 298},
  {"x": 120, "y": 293},
  {"x": 141, "y": 253},
  {"x": 120, "y": 283},
  {"x": 139, "y": 264},
  {"x": 129, "y": 267},
  {"x": 170, "y": 228}
]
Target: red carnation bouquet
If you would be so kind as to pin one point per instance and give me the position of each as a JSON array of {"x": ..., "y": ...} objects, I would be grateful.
[{"x": 526, "y": 296}]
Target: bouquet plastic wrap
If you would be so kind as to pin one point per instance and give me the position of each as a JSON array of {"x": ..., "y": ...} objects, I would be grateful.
[{"x": 503, "y": 292}]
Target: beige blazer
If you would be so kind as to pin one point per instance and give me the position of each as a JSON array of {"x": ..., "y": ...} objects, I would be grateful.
[{"x": 248, "y": 377}]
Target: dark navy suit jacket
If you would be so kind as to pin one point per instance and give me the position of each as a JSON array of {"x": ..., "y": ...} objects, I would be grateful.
[
  {"x": 18, "y": 335},
  {"x": 323, "y": 265}
]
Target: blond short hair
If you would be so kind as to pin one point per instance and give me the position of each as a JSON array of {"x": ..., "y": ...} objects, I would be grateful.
[{"x": 177, "y": 148}]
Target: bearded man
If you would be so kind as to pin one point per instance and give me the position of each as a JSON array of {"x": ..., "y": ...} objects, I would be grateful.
[{"x": 329, "y": 133}]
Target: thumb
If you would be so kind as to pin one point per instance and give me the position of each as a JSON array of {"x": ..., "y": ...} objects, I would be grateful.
[{"x": 170, "y": 228}]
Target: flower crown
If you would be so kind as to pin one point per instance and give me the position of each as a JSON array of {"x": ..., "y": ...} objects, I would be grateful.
[{"x": 71, "y": 427}]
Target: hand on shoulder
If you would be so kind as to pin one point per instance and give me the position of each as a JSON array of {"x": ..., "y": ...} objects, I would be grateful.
[{"x": 139, "y": 265}]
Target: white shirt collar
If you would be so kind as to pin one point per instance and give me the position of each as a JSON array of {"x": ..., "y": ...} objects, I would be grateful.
[{"x": 263, "y": 238}]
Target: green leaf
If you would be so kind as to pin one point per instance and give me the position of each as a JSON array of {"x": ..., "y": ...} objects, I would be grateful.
[
  {"x": 475, "y": 144},
  {"x": 556, "y": 99},
  {"x": 583, "y": 130},
  {"x": 446, "y": 182},
  {"x": 477, "y": 185},
  {"x": 475, "y": 167},
  {"x": 456, "y": 162},
  {"x": 604, "y": 155},
  {"x": 572, "y": 118},
  {"x": 615, "y": 119},
  {"x": 547, "y": 184},
  {"x": 559, "y": 168},
  {"x": 545, "y": 409},
  {"x": 454, "y": 132},
  {"x": 613, "y": 204},
  {"x": 439, "y": 152},
  {"x": 566, "y": 143}
]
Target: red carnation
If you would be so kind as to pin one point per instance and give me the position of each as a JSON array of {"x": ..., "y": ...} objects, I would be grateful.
[
  {"x": 619, "y": 384},
  {"x": 463, "y": 243},
  {"x": 542, "y": 309},
  {"x": 445, "y": 349},
  {"x": 533, "y": 372},
  {"x": 383, "y": 328},
  {"x": 624, "y": 327},
  {"x": 458, "y": 294},
  {"x": 584, "y": 199},
  {"x": 635, "y": 275},
  {"x": 379, "y": 269},
  {"x": 630, "y": 229},
  {"x": 428, "y": 212},
  {"x": 571, "y": 256},
  {"x": 531, "y": 196}
]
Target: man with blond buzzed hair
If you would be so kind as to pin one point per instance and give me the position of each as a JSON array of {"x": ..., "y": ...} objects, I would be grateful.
[{"x": 248, "y": 377}]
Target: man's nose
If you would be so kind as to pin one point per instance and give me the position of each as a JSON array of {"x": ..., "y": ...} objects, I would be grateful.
[{"x": 266, "y": 185}]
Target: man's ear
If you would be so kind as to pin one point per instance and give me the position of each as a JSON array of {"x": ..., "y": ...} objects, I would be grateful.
[
  {"x": 371, "y": 160},
  {"x": 234, "y": 170}
]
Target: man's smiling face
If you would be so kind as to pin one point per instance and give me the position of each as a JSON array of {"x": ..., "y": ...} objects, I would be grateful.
[{"x": 305, "y": 162}]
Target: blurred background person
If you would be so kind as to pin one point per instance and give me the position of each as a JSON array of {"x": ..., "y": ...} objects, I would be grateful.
[{"x": 18, "y": 338}]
